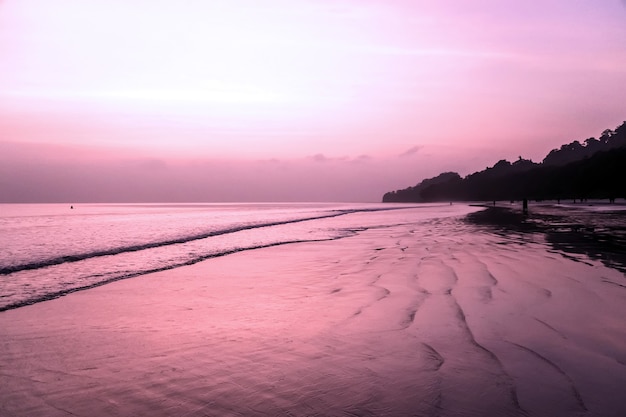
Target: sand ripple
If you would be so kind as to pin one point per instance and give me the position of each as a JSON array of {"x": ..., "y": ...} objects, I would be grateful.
[{"x": 424, "y": 319}]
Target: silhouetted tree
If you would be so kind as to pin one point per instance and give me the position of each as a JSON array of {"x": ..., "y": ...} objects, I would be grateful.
[{"x": 593, "y": 170}]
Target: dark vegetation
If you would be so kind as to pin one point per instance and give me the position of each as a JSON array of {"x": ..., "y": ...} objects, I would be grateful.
[{"x": 593, "y": 169}]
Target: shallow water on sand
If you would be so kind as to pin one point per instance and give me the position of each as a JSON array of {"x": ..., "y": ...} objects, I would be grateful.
[
  {"x": 410, "y": 316},
  {"x": 50, "y": 250},
  {"x": 580, "y": 231}
]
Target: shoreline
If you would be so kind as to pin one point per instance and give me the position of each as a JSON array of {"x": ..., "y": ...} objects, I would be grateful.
[
  {"x": 432, "y": 318},
  {"x": 33, "y": 263},
  {"x": 59, "y": 294},
  {"x": 570, "y": 230}
]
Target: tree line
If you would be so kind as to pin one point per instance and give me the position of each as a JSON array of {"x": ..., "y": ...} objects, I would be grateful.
[{"x": 595, "y": 169}]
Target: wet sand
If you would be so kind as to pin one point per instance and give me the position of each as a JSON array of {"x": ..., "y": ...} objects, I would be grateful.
[{"x": 432, "y": 319}]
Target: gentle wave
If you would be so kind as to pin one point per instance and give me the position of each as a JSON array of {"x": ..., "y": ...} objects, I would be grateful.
[
  {"x": 85, "y": 264},
  {"x": 134, "y": 248},
  {"x": 63, "y": 292}
]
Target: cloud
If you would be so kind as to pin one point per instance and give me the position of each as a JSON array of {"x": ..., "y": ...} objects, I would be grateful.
[
  {"x": 319, "y": 158},
  {"x": 362, "y": 158},
  {"x": 411, "y": 151},
  {"x": 323, "y": 158}
]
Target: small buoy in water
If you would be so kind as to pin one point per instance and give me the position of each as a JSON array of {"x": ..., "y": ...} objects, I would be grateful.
[{"x": 72, "y": 207}]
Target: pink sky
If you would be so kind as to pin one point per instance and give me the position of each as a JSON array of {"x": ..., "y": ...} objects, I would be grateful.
[{"x": 241, "y": 100}]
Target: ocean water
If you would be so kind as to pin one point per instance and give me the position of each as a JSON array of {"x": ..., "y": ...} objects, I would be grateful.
[
  {"x": 48, "y": 250},
  {"x": 423, "y": 310}
]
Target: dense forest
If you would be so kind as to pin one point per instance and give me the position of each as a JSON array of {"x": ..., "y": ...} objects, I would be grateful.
[{"x": 595, "y": 168}]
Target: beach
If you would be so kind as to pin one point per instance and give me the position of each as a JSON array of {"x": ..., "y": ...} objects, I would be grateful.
[{"x": 432, "y": 318}]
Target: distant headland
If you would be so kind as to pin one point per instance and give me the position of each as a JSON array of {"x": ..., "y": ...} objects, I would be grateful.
[{"x": 595, "y": 169}]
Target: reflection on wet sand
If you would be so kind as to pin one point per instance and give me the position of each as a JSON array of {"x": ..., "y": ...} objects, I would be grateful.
[{"x": 572, "y": 231}]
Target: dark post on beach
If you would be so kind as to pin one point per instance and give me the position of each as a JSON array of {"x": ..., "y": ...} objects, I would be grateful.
[{"x": 525, "y": 206}]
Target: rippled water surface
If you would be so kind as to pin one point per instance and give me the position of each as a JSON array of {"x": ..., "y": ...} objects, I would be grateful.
[{"x": 51, "y": 249}]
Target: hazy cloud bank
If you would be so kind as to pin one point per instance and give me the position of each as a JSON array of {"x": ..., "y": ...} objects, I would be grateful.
[{"x": 48, "y": 173}]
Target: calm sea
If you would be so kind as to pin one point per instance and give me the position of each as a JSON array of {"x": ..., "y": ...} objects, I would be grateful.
[{"x": 48, "y": 250}]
